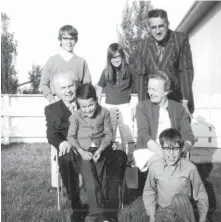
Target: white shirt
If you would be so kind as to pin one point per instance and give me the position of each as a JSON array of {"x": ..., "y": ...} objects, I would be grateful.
[
  {"x": 64, "y": 54},
  {"x": 164, "y": 121}
]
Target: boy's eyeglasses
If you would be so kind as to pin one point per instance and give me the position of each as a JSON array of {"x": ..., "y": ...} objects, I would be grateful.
[
  {"x": 176, "y": 149},
  {"x": 66, "y": 38}
]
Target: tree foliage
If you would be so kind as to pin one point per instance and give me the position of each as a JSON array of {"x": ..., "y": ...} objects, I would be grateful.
[
  {"x": 9, "y": 81},
  {"x": 134, "y": 26},
  {"x": 34, "y": 78}
]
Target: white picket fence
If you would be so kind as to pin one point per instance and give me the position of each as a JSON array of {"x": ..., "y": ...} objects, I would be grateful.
[{"x": 23, "y": 119}]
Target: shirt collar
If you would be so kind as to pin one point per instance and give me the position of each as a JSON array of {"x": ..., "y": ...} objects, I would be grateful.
[
  {"x": 64, "y": 54},
  {"x": 178, "y": 164},
  {"x": 72, "y": 104},
  {"x": 157, "y": 105}
]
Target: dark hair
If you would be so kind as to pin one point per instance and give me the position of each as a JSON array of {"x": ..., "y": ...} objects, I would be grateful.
[
  {"x": 86, "y": 91},
  {"x": 110, "y": 69},
  {"x": 165, "y": 76},
  {"x": 155, "y": 13},
  {"x": 171, "y": 136},
  {"x": 69, "y": 30}
]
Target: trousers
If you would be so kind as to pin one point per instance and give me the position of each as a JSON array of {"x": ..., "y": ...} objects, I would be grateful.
[{"x": 102, "y": 178}]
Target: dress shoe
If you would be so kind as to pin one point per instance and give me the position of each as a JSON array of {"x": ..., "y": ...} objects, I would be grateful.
[
  {"x": 100, "y": 218},
  {"x": 77, "y": 217}
]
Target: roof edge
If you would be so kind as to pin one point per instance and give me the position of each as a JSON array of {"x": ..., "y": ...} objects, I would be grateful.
[{"x": 198, "y": 10}]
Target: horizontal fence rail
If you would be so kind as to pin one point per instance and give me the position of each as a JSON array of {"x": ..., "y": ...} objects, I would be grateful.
[{"x": 23, "y": 119}]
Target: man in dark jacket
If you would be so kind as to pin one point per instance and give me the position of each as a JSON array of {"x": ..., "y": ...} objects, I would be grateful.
[
  {"x": 166, "y": 50},
  {"x": 57, "y": 118}
]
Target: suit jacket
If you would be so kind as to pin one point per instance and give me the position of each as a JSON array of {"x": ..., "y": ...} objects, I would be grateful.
[
  {"x": 177, "y": 60},
  {"x": 148, "y": 117},
  {"x": 57, "y": 122}
]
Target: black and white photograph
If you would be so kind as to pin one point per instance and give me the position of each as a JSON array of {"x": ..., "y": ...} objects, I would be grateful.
[{"x": 110, "y": 111}]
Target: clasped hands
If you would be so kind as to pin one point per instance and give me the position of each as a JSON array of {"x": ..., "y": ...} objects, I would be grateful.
[
  {"x": 86, "y": 155},
  {"x": 65, "y": 147}
]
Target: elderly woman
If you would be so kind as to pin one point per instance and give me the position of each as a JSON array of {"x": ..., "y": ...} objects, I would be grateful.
[{"x": 64, "y": 60}]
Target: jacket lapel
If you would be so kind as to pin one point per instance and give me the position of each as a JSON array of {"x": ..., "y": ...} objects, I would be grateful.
[
  {"x": 168, "y": 50},
  {"x": 65, "y": 112},
  {"x": 152, "y": 51}
]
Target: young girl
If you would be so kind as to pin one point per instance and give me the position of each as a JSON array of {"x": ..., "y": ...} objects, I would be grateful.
[
  {"x": 118, "y": 80},
  {"x": 64, "y": 60}
]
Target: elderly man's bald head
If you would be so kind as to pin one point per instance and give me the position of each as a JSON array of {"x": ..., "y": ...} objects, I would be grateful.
[
  {"x": 63, "y": 75},
  {"x": 64, "y": 85}
]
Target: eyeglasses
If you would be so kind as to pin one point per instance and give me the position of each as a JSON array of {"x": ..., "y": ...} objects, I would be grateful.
[
  {"x": 175, "y": 149},
  {"x": 161, "y": 27},
  {"x": 116, "y": 57},
  {"x": 67, "y": 38}
]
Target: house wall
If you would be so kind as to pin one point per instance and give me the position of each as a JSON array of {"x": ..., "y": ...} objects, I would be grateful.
[{"x": 205, "y": 44}]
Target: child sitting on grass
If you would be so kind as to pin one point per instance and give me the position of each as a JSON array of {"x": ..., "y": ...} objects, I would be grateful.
[
  {"x": 170, "y": 182},
  {"x": 90, "y": 132}
]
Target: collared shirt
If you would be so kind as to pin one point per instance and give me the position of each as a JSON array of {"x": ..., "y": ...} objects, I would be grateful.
[
  {"x": 163, "y": 183},
  {"x": 119, "y": 90},
  {"x": 164, "y": 121},
  {"x": 86, "y": 130},
  {"x": 64, "y": 54},
  {"x": 71, "y": 106}
]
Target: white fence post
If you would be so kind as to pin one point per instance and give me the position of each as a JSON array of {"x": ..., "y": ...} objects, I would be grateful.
[{"x": 6, "y": 119}]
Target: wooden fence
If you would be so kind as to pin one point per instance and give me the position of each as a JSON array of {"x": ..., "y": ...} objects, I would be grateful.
[{"x": 23, "y": 119}]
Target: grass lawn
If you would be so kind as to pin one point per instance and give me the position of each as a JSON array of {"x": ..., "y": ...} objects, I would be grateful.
[{"x": 26, "y": 178}]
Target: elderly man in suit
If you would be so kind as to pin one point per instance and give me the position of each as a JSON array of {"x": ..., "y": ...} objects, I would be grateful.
[
  {"x": 166, "y": 50},
  {"x": 57, "y": 118}
]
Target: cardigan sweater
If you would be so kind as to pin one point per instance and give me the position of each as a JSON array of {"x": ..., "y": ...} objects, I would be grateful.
[{"x": 148, "y": 117}]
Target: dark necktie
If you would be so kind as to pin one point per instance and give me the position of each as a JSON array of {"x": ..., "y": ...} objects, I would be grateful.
[{"x": 160, "y": 49}]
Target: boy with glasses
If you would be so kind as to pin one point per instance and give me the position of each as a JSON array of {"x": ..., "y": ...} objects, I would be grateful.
[
  {"x": 64, "y": 60},
  {"x": 171, "y": 182}
]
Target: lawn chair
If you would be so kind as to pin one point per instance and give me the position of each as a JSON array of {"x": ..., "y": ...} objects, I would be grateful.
[
  {"x": 204, "y": 133},
  {"x": 205, "y": 137},
  {"x": 131, "y": 173},
  {"x": 59, "y": 182}
]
